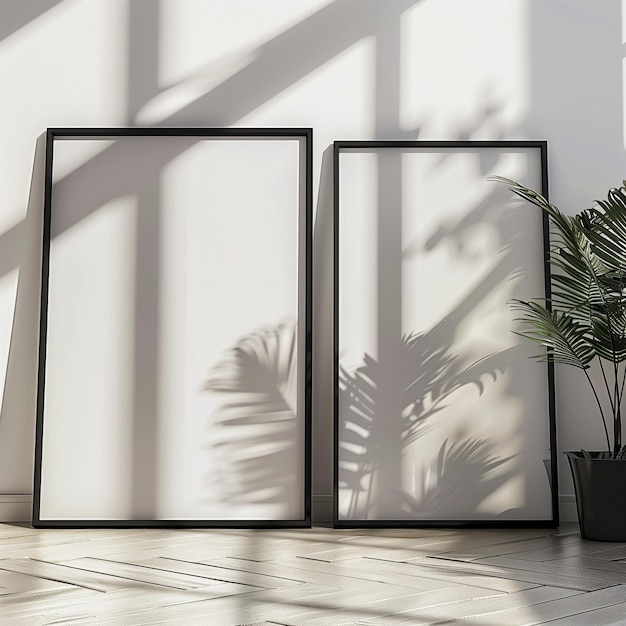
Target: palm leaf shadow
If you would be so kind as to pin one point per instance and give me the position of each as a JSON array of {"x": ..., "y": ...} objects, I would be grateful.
[
  {"x": 464, "y": 467},
  {"x": 256, "y": 429},
  {"x": 432, "y": 375}
]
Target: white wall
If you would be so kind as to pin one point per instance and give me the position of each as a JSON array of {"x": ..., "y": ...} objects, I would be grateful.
[{"x": 351, "y": 69}]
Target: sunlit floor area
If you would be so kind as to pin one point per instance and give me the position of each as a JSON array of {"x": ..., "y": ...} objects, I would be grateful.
[{"x": 318, "y": 576}]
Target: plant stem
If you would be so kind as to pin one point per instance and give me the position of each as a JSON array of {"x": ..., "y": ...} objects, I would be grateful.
[
  {"x": 608, "y": 389},
  {"x": 617, "y": 418},
  {"x": 617, "y": 433},
  {"x": 595, "y": 393},
  {"x": 621, "y": 396},
  {"x": 615, "y": 409}
]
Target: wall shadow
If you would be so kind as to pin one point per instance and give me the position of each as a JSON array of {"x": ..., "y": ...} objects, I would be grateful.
[
  {"x": 294, "y": 54},
  {"x": 255, "y": 436},
  {"x": 431, "y": 375},
  {"x": 323, "y": 383},
  {"x": 83, "y": 192},
  {"x": 24, "y": 248},
  {"x": 17, "y": 14}
]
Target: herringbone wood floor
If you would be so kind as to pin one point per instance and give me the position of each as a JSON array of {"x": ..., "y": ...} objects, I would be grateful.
[{"x": 311, "y": 577}]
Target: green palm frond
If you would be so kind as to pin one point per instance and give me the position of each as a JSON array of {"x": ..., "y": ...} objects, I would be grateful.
[
  {"x": 565, "y": 338},
  {"x": 566, "y": 227},
  {"x": 586, "y": 315},
  {"x": 608, "y": 335},
  {"x": 605, "y": 226}
]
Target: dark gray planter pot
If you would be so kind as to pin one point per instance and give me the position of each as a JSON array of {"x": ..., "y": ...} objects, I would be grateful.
[{"x": 600, "y": 486}]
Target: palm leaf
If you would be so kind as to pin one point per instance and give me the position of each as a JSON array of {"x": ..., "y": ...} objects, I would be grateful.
[
  {"x": 605, "y": 226},
  {"x": 566, "y": 339},
  {"x": 567, "y": 230}
]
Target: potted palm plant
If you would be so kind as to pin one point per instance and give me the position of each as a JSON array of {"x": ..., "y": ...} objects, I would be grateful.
[{"x": 584, "y": 322}]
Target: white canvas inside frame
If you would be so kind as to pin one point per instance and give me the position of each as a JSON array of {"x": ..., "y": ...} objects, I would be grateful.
[
  {"x": 175, "y": 337},
  {"x": 442, "y": 415}
]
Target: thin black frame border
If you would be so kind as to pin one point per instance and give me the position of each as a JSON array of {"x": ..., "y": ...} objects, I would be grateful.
[
  {"x": 338, "y": 147},
  {"x": 52, "y": 134}
]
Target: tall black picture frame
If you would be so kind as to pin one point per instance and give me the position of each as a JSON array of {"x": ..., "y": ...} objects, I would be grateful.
[
  {"x": 174, "y": 384},
  {"x": 440, "y": 416}
]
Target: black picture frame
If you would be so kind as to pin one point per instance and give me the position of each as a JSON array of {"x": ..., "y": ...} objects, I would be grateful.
[
  {"x": 355, "y": 390},
  {"x": 162, "y": 149}
]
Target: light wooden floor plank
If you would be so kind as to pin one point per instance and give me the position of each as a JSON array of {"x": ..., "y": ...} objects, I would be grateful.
[
  {"x": 615, "y": 614},
  {"x": 376, "y": 571},
  {"x": 97, "y": 581},
  {"x": 484, "y": 577},
  {"x": 128, "y": 605},
  {"x": 475, "y": 608},
  {"x": 338, "y": 609},
  {"x": 14, "y": 582},
  {"x": 437, "y": 567},
  {"x": 219, "y": 610},
  {"x": 590, "y": 563},
  {"x": 473, "y": 552},
  {"x": 27, "y": 604},
  {"x": 550, "y": 568},
  {"x": 588, "y": 549},
  {"x": 220, "y": 574},
  {"x": 556, "y": 609},
  {"x": 139, "y": 573}
]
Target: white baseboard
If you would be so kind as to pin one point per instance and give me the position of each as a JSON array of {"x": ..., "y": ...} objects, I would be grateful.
[{"x": 16, "y": 507}]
